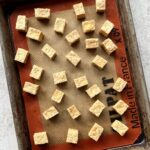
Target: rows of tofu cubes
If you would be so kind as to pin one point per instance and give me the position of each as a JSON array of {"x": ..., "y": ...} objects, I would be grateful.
[
  {"x": 74, "y": 36},
  {"x": 96, "y": 109},
  {"x": 36, "y": 72},
  {"x": 72, "y": 137}
]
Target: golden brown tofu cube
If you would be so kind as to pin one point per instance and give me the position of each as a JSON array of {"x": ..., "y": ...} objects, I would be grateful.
[
  {"x": 88, "y": 26},
  {"x": 42, "y": 13},
  {"x": 57, "y": 96},
  {"x": 40, "y": 138},
  {"x": 21, "y": 55},
  {"x": 119, "y": 85},
  {"x": 100, "y": 6},
  {"x": 73, "y": 111},
  {"x": 99, "y": 62},
  {"x": 119, "y": 127},
  {"x": 30, "y": 88},
  {"x": 73, "y": 58},
  {"x": 120, "y": 107},
  {"x": 72, "y": 136},
  {"x": 93, "y": 91},
  {"x": 106, "y": 28},
  {"x": 95, "y": 132},
  {"x": 72, "y": 37},
  {"x": 34, "y": 34},
  {"x": 59, "y": 26},
  {"x": 50, "y": 113},
  {"x": 60, "y": 77},
  {"x": 109, "y": 46},
  {"x": 79, "y": 10},
  {"x": 92, "y": 43},
  {"x": 81, "y": 82},
  {"x": 22, "y": 23},
  {"x": 36, "y": 72}
]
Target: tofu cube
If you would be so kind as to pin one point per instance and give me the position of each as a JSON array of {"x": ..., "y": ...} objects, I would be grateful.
[
  {"x": 97, "y": 108},
  {"x": 42, "y": 13},
  {"x": 57, "y": 96},
  {"x": 106, "y": 28},
  {"x": 30, "y": 88},
  {"x": 92, "y": 43},
  {"x": 109, "y": 46},
  {"x": 79, "y": 10},
  {"x": 93, "y": 91},
  {"x": 73, "y": 111},
  {"x": 120, "y": 107},
  {"x": 22, "y": 23},
  {"x": 100, "y": 6},
  {"x": 49, "y": 51},
  {"x": 81, "y": 82},
  {"x": 72, "y": 37},
  {"x": 40, "y": 138},
  {"x": 36, "y": 72},
  {"x": 88, "y": 26},
  {"x": 73, "y": 58},
  {"x": 21, "y": 55},
  {"x": 72, "y": 136},
  {"x": 60, "y": 77},
  {"x": 99, "y": 62},
  {"x": 119, "y": 127},
  {"x": 50, "y": 113},
  {"x": 59, "y": 26},
  {"x": 119, "y": 85},
  {"x": 95, "y": 132},
  {"x": 34, "y": 34}
]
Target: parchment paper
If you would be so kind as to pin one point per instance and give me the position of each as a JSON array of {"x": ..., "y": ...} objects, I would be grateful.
[{"x": 58, "y": 126}]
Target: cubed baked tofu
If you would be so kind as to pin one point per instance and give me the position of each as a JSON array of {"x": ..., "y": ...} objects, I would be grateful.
[
  {"x": 49, "y": 51},
  {"x": 97, "y": 108},
  {"x": 42, "y": 13},
  {"x": 30, "y": 88},
  {"x": 93, "y": 91},
  {"x": 72, "y": 37},
  {"x": 119, "y": 84},
  {"x": 119, "y": 127},
  {"x": 99, "y": 62},
  {"x": 72, "y": 136},
  {"x": 21, "y": 55},
  {"x": 81, "y": 82},
  {"x": 36, "y": 72},
  {"x": 100, "y": 6},
  {"x": 60, "y": 77},
  {"x": 91, "y": 43},
  {"x": 120, "y": 107},
  {"x": 88, "y": 26},
  {"x": 57, "y": 96},
  {"x": 73, "y": 112},
  {"x": 79, "y": 10},
  {"x": 40, "y": 138},
  {"x": 50, "y": 113},
  {"x": 95, "y": 132},
  {"x": 109, "y": 46},
  {"x": 59, "y": 25},
  {"x": 73, "y": 58},
  {"x": 106, "y": 28},
  {"x": 35, "y": 34},
  {"x": 22, "y": 23}
]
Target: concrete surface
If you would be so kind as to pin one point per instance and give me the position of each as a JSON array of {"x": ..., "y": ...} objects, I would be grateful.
[{"x": 141, "y": 15}]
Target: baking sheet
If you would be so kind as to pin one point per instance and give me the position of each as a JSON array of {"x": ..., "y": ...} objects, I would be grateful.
[{"x": 35, "y": 105}]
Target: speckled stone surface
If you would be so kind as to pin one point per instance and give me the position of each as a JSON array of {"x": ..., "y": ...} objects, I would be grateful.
[
  {"x": 141, "y": 16},
  {"x": 7, "y": 132}
]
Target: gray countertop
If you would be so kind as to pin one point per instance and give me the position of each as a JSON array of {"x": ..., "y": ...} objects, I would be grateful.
[{"x": 141, "y": 16}]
